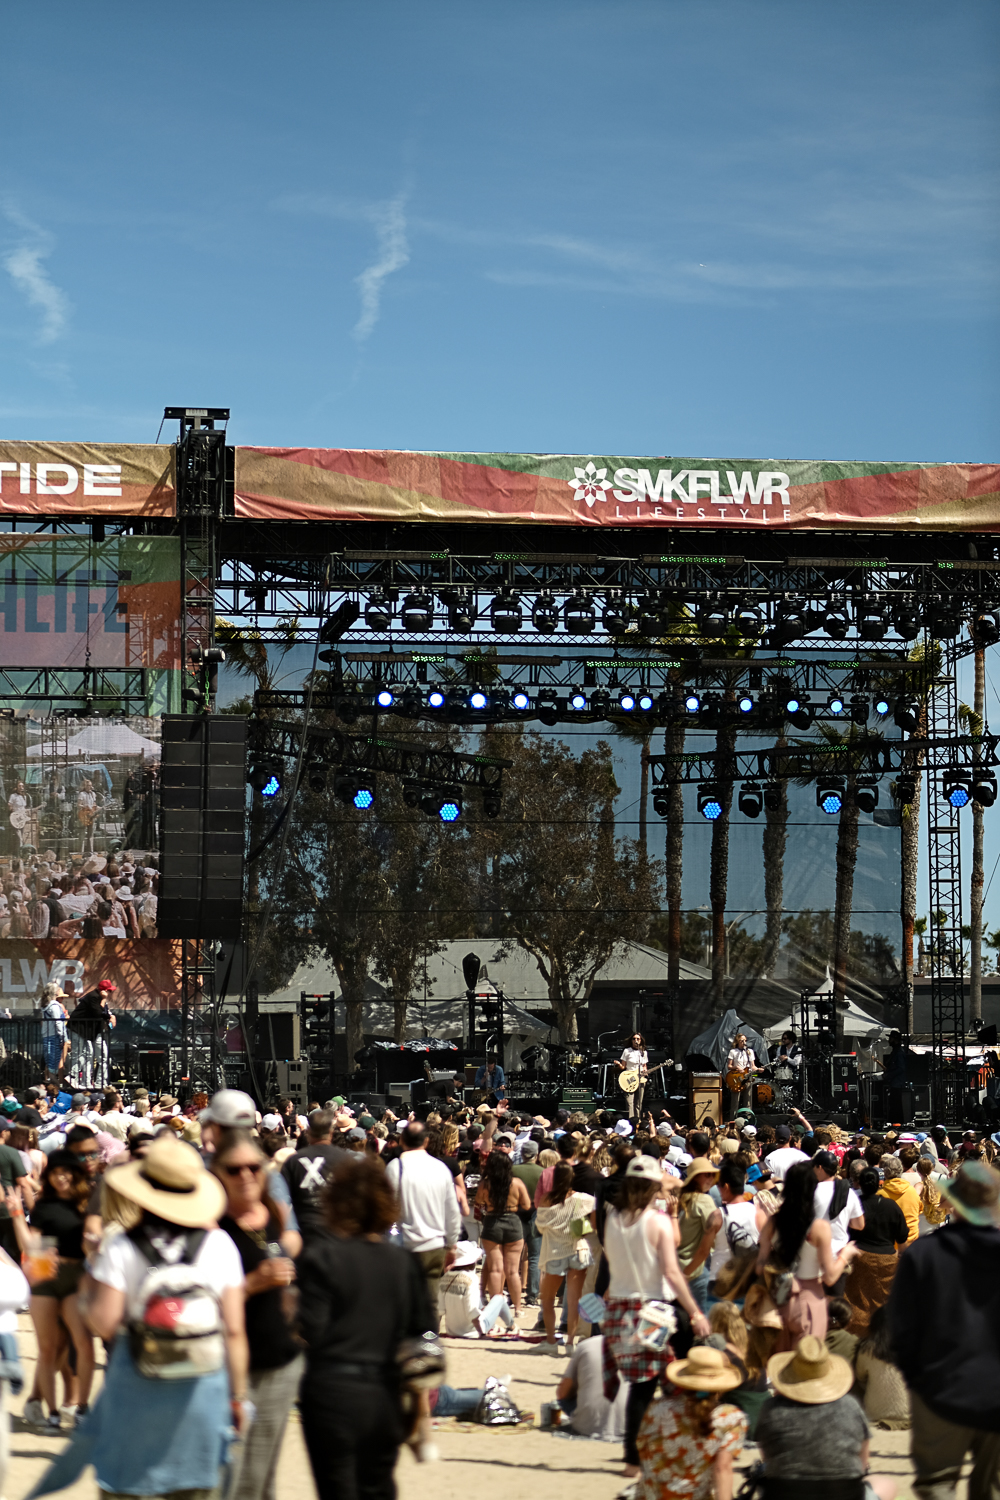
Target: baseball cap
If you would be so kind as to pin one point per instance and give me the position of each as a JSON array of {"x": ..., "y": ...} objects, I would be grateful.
[
  {"x": 782, "y": 1133},
  {"x": 644, "y": 1166},
  {"x": 529, "y": 1149},
  {"x": 366, "y": 1120},
  {"x": 105, "y": 984},
  {"x": 272, "y": 1122},
  {"x": 506, "y": 1135},
  {"x": 749, "y": 1130},
  {"x": 230, "y": 1108},
  {"x": 356, "y": 1134},
  {"x": 664, "y": 1128}
]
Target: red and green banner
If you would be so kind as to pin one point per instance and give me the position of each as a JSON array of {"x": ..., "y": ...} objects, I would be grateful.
[
  {"x": 87, "y": 479},
  {"x": 336, "y": 484}
]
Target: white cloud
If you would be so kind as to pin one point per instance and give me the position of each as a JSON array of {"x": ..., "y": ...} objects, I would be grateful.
[
  {"x": 389, "y": 220},
  {"x": 24, "y": 266}
]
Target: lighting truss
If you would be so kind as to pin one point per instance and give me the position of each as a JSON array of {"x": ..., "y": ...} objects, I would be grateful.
[{"x": 863, "y": 757}]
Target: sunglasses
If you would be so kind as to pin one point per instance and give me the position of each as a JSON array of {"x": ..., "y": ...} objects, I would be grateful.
[
  {"x": 86, "y": 1155},
  {"x": 253, "y": 1167}
]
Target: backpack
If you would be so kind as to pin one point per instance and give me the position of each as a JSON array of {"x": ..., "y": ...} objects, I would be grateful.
[{"x": 179, "y": 1332}]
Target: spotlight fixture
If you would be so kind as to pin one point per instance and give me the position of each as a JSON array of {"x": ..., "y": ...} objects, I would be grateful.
[
  {"x": 748, "y": 620},
  {"x": 984, "y": 787},
  {"x": 835, "y": 621},
  {"x": 615, "y": 617},
  {"x": 547, "y": 707},
  {"x": 336, "y": 626},
  {"x": 835, "y": 703},
  {"x": 650, "y": 621},
  {"x": 412, "y": 793},
  {"x": 449, "y": 806},
  {"x": 859, "y": 709},
  {"x": 944, "y": 621},
  {"x": 578, "y": 700},
  {"x": 506, "y": 614},
  {"x": 435, "y": 698},
  {"x": 956, "y": 788},
  {"x": 906, "y": 620},
  {"x": 645, "y": 702},
  {"x": 791, "y": 622},
  {"x": 986, "y": 631},
  {"x": 872, "y": 623},
  {"x": 626, "y": 701},
  {"x": 579, "y": 615},
  {"x": 478, "y": 700},
  {"x": 492, "y": 803},
  {"x": 751, "y": 799},
  {"x": 348, "y": 788},
  {"x": 545, "y": 614},
  {"x": 271, "y": 787},
  {"x": 462, "y": 611},
  {"x": 378, "y": 613},
  {"x": 709, "y": 801},
  {"x": 712, "y": 618},
  {"x": 881, "y": 705},
  {"x": 692, "y": 703},
  {"x": 798, "y": 711},
  {"x": 661, "y": 802},
  {"x": 413, "y": 700},
  {"x": 416, "y": 614},
  {"x": 772, "y": 796},
  {"x": 746, "y": 704},
  {"x": 866, "y": 794},
  {"x": 906, "y": 714},
  {"x": 830, "y": 794},
  {"x": 905, "y": 789},
  {"x": 520, "y": 702},
  {"x": 385, "y": 697},
  {"x": 600, "y": 702}
]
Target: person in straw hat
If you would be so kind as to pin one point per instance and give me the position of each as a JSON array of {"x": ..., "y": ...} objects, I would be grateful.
[
  {"x": 944, "y": 1325},
  {"x": 700, "y": 1222},
  {"x": 686, "y": 1446},
  {"x": 148, "y": 1435},
  {"x": 813, "y": 1435}
]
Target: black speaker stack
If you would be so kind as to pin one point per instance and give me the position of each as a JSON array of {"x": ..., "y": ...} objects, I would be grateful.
[{"x": 202, "y": 826}]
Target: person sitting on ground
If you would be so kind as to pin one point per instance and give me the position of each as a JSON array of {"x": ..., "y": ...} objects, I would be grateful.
[
  {"x": 838, "y": 1340},
  {"x": 580, "y": 1393},
  {"x": 813, "y": 1433},
  {"x": 687, "y": 1446}
]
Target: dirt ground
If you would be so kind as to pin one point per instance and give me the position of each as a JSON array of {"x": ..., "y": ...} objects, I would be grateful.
[{"x": 578, "y": 1469}]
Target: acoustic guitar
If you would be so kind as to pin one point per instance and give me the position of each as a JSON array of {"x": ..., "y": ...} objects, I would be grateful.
[{"x": 630, "y": 1078}]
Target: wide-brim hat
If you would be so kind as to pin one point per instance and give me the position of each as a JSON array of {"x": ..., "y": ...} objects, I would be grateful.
[
  {"x": 699, "y": 1165},
  {"x": 172, "y": 1181},
  {"x": 974, "y": 1193},
  {"x": 728, "y": 1146},
  {"x": 810, "y": 1374},
  {"x": 705, "y": 1369}
]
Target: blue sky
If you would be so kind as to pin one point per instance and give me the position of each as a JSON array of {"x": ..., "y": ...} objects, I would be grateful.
[{"x": 739, "y": 227}]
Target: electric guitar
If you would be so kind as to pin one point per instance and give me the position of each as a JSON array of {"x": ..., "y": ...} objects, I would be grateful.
[
  {"x": 630, "y": 1078},
  {"x": 737, "y": 1081}
]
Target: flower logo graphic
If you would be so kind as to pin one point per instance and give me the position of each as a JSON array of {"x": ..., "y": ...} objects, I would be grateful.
[{"x": 589, "y": 484}]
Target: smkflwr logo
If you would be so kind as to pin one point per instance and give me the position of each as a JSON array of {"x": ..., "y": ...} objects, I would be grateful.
[{"x": 722, "y": 488}]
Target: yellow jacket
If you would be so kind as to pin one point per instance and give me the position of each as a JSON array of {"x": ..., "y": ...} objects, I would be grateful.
[{"x": 905, "y": 1194}]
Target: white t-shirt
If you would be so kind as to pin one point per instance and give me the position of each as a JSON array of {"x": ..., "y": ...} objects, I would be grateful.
[
  {"x": 741, "y": 1059},
  {"x": 838, "y": 1227},
  {"x": 462, "y": 1299},
  {"x": 779, "y": 1161},
  {"x": 122, "y": 1265},
  {"x": 633, "y": 1059},
  {"x": 595, "y": 1416}
]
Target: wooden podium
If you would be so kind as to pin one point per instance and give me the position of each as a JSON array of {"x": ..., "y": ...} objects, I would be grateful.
[{"x": 704, "y": 1098}]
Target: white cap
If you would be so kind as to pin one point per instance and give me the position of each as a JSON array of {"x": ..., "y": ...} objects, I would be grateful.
[
  {"x": 622, "y": 1127},
  {"x": 272, "y": 1122},
  {"x": 231, "y": 1109}
]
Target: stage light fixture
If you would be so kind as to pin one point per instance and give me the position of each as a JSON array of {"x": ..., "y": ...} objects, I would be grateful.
[
  {"x": 413, "y": 700},
  {"x": 830, "y": 795},
  {"x": 645, "y": 703},
  {"x": 478, "y": 700},
  {"x": 316, "y": 776},
  {"x": 661, "y": 802},
  {"x": 520, "y": 701},
  {"x": 578, "y": 701},
  {"x": 378, "y": 613},
  {"x": 835, "y": 703},
  {"x": 906, "y": 620},
  {"x": 385, "y": 697},
  {"x": 791, "y": 622},
  {"x": 944, "y": 621},
  {"x": 616, "y": 617},
  {"x": 692, "y": 703},
  {"x": 412, "y": 793},
  {"x": 802, "y": 716},
  {"x": 336, "y": 626},
  {"x": 957, "y": 788},
  {"x": 906, "y": 714},
  {"x": 772, "y": 796},
  {"x": 872, "y": 623},
  {"x": 859, "y": 709},
  {"x": 579, "y": 615},
  {"x": 746, "y": 704},
  {"x": 545, "y": 614},
  {"x": 450, "y": 806},
  {"x": 713, "y": 618},
  {"x": 435, "y": 698},
  {"x": 984, "y": 787},
  {"x": 492, "y": 804},
  {"x": 349, "y": 788},
  {"x": 748, "y": 620},
  {"x": 271, "y": 787},
  {"x": 600, "y": 702},
  {"x": 751, "y": 799},
  {"x": 417, "y": 613},
  {"x": 547, "y": 707},
  {"x": 650, "y": 620},
  {"x": 881, "y": 705},
  {"x": 506, "y": 614},
  {"x": 626, "y": 701},
  {"x": 986, "y": 630},
  {"x": 836, "y": 622},
  {"x": 866, "y": 794},
  {"x": 709, "y": 801},
  {"x": 905, "y": 789},
  {"x": 462, "y": 611}
]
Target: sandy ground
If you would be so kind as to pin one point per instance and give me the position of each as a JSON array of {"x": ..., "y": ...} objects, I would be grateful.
[{"x": 511, "y": 1462}]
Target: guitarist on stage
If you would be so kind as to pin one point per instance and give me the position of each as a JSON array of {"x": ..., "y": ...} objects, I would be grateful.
[
  {"x": 635, "y": 1056},
  {"x": 741, "y": 1059}
]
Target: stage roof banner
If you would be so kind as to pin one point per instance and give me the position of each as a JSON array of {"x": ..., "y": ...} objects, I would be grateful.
[
  {"x": 112, "y": 479},
  {"x": 305, "y": 484}
]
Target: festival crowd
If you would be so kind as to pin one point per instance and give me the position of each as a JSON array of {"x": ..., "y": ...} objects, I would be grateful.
[{"x": 789, "y": 1287}]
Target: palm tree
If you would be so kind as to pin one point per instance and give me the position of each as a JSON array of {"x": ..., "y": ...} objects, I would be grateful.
[
  {"x": 773, "y": 850},
  {"x": 976, "y": 880},
  {"x": 919, "y": 927}
]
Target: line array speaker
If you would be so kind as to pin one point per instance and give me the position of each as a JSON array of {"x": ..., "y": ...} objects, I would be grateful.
[{"x": 202, "y": 826}]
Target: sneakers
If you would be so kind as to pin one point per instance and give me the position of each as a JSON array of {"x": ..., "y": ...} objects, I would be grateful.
[
  {"x": 68, "y": 1415},
  {"x": 53, "y": 1422},
  {"x": 80, "y": 1415},
  {"x": 34, "y": 1412},
  {"x": 545, "y": 1348}
]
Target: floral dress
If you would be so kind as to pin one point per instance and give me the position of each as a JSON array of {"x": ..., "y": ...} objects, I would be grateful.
[{"x": 676, "y": 1456}]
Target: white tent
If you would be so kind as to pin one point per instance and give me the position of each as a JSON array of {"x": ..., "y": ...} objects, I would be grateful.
[
  {"x": 100, "y": 740},
  {"x": 852, "y": 1022}
]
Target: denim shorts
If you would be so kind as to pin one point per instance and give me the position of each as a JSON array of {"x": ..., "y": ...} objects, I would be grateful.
[{"x": 563, "y": 1263}]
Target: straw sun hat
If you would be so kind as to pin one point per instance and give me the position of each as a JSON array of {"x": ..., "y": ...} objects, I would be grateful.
[
  {"x": 705, "y": 1369},
  {"x": 171, "y": 1181},
  {"x": 701, "y": 1164},
  {"x": 810, "y": 1374}
]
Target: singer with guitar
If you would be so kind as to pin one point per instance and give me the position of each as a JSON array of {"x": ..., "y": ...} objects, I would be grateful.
[
  {"x": 742, "y": 1060},
  {"x": 635, "y": 1058}
]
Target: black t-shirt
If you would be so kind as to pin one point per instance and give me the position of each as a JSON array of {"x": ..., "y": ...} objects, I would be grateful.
[
  {"x": 269, "y": 1332},
  {"x": 885, "y": 1227},
  {"x": 91, "y": 1016},
  {"x": 55, "y": 1217},
  {"x": 586, "y": 1179},
  {"x": 359, "y": 1300},
  {"x": 307, "y": 1173}
]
